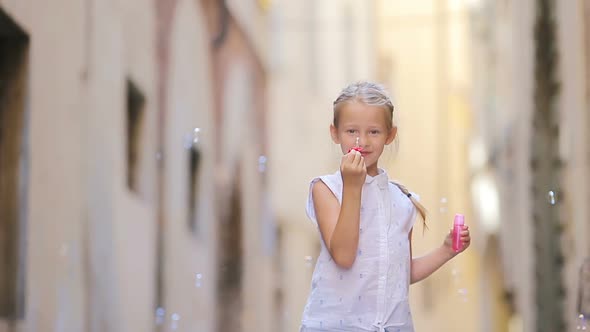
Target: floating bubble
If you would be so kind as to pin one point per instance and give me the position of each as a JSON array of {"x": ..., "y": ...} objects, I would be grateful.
[
  {"x": 262, "y": 164},
  {"x": 459, "y": 282},
  {"x": 175, "y": 319},
  {"x": 160, "y": 316},
  {"x": 308, "y": 261},
  {"x": 198, "y": 280},
  {"x": 582, "y": 326},
  {"x": 443, "y": 205},
  {"x": 462, "y": 294},
  {"x": 551, "y": 197},
  {"x": 196, "y": 133}
]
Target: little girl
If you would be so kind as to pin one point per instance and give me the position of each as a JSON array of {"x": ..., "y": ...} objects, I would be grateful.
[{"x": 365, "y": 267}]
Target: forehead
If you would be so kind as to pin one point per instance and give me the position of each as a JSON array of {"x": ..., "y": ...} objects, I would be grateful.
[{"x": 359, "y": 113}]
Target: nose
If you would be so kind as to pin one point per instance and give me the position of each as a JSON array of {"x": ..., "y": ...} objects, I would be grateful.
[{"x": 362, "y": 140}]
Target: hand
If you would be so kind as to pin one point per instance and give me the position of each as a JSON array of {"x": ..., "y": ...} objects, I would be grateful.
[
  {"x": 353, "y": 169},
  {"x": 465, "y": 240}
]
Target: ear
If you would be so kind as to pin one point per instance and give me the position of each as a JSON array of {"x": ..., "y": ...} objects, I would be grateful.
[
  {"x": 391, "y": 136},
  {"x": 334, "y": 133}
]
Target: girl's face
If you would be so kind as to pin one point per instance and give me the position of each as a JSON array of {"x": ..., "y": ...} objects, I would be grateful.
[{"x": 370, "y": 124}]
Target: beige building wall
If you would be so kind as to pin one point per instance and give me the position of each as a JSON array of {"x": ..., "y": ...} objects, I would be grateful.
[
  {"x": 189, "y": 105},
  {"x": 91, "y": 240},
  {"x": 247, "y": 241},
  {"x": 506, "y": 128},
  {"x": 317, "y": 47},
  {"x": 574, "y": 145},
  {"x": 502, "y": 49}
]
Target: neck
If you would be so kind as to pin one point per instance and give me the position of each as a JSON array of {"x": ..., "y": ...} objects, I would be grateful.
[{"x": 373, "y": 170}]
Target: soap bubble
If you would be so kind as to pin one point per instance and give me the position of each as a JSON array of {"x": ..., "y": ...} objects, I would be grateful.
[
  {"x": 175, "y": 319},
  {"x": 551, "y": 196},
  {"x": 262, "y": 164},
  {"x": 198, "y": 280},
  {"x": 308, "y": 261},
  {"x": 160, "y": 316},
  {"x": 582, "y": 326},
  {"x": 443, "y": 205}
]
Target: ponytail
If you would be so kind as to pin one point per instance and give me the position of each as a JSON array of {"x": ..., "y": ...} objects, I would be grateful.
[{"x": 419, "y": 207}]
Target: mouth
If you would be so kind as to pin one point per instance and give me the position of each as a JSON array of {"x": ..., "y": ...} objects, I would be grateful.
[{"x": 358, "y": 148}]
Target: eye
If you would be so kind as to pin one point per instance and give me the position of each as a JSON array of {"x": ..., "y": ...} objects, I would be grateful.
[
  {"x": 374, "y": 132},
  {"x": 351, "y": 131}
]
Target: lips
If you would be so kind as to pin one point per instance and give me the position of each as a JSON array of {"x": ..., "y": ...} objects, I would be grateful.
[
  {"x": 356, "y": 148},
  {"x": 359, "y": 149}
]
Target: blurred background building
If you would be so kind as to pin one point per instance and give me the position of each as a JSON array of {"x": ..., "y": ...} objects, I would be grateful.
[
  {"x": 155, "y": 157},
  {"x": 529, "y": 150}
]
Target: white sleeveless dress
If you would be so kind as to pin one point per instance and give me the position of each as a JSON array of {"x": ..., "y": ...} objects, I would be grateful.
[{"x": 373, "y": 294}]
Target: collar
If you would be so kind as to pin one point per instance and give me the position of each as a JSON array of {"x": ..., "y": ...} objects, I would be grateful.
[{"x": 381, "y": 179}]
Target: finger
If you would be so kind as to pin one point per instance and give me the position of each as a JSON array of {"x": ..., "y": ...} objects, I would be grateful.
[
  {"x": 357, "y": 159},
  {"x": 362, "y": 162},
  {"x": 349, "y": 158},
  {"x": 344, "y": 158}
]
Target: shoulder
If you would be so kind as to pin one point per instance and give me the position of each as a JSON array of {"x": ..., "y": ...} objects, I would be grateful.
[
  {"x": 326, "y": 186},
  {"x": 322, "y": 195},
  {"x": 319, "y": 187},
  {"x": 330, "y": 180},
  {"x": 402, "y": 190}
]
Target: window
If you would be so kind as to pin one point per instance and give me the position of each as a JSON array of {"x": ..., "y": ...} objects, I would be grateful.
[
  {"x": 13, "y": 166},
  {"x": 135, "y": 109},
  {"x": 194, "y": 166},
  {"x": 230, "y": 264}
]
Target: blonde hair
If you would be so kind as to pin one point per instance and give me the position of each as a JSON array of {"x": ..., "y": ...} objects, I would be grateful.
[
  {"x": 368, "y": 93},
  {"x": 374, "y": 94}
]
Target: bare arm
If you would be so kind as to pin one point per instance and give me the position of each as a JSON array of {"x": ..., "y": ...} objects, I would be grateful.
[
  {"x": 424, "y": 266},
  {"x": 339, "y": 224}
]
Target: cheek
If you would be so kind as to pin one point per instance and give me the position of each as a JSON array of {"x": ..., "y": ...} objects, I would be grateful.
[{"x": 347, "y": 139}]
